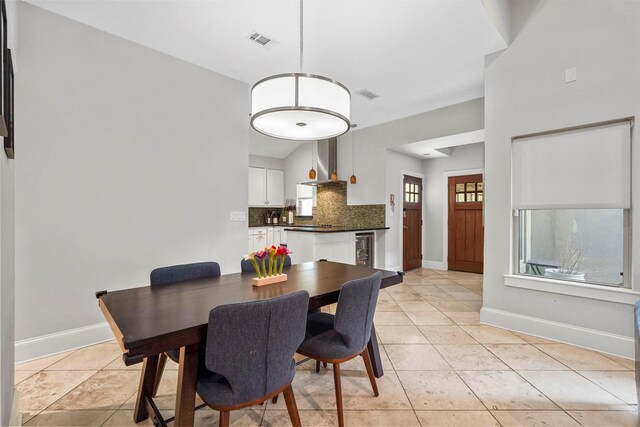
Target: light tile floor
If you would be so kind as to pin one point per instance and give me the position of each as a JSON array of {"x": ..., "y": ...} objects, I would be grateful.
[{"x": 441, "y": 369}]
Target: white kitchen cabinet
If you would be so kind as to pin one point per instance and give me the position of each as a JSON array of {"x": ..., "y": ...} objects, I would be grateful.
[
  {"x": 277, "y": 236},
  {"x": 257, "y": 187},
  {"x": 266, "y": 187},
  {"x": 265, "y": 237},
  {"x": 270, "y": 239},
  {"x": 275, "y": 187},
  {"x": 257, "y": 238},
  {"x": 302, "y": 245},
  {"x": 337, "y": 247}
]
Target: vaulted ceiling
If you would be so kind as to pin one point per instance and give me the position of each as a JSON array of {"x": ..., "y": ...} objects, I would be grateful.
[{"x": 416, "y": 55}]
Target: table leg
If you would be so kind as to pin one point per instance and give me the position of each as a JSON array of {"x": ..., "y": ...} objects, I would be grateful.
[
  {"x": 374, "y": 352},
  {"x": 147, "y": 381},
  {"x": 187, "y": 379}
]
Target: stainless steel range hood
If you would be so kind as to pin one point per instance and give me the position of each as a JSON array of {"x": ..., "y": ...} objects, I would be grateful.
[{"x": 327, "y": 163}]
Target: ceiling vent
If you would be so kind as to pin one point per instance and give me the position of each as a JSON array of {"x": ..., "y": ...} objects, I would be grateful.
[
  {"x": 366, "y": 93},
  {"x": 259, "y": 38}
]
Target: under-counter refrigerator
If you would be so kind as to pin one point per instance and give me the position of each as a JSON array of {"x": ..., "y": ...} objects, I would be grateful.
[{"x": 365, "y": 249}]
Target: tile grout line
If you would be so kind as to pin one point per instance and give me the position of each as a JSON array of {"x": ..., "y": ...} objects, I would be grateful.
[
  {"x": 68, "y": 392},
  {"x": 453, "y": 370}
]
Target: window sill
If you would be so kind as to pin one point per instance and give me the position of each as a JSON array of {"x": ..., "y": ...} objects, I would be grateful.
[{"x": 583, "y": 290}]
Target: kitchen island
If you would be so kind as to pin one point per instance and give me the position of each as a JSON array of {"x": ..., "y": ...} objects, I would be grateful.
[{"x": 336, "y": 244}]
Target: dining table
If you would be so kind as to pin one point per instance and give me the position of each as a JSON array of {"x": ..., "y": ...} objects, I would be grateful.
[{"x": 148, "y": 321}]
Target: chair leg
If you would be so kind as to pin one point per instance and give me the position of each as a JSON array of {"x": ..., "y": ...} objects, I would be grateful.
[
  {"x": 324, "y": 364},
  {"x": 275, "y": 399},
  {"x": 292, "y": 408},
  {"x": 224, "y": 419},
  {"x": 367, "y": 363},
  {"x": 338, "y": 386},
  {"x": 317, "y": 366},
  {"x": 162, "y": 361}
]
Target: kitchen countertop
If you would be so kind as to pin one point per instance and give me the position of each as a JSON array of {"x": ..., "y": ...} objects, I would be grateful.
[
  {"x": 333, "y": 229},
  {"x": 281, "y": 225}
]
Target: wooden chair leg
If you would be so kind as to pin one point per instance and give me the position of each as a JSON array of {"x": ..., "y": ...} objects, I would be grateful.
[
  {"x": 317, "y": 366},
  {"x": 292, "y": 408},
  {"x": 324, "y": 364},
  {"x": 162, "y": 361},
  {"x": 367, "y": 363},
  {"x": 275, "y": 399},
  {"x": 338, "y": 386},
  {"x": 224, "y": 419}
]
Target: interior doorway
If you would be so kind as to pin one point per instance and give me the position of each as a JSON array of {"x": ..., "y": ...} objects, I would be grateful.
[
  {"x": 411, "y": 222},
  {"x": 466, "y": 229}
]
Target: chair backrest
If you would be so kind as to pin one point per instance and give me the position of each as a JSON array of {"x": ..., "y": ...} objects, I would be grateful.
[
  {"x": 355, "y": 310},
  {"x": 252, "y": 344},
  {"x": 179, "y": 273},
  {"x": 247, "y": 267}
]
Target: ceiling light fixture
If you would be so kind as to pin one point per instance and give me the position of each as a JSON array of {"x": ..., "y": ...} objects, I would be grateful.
[
  {"x": 312, "y": 171},
  {"x": 300, "y": 106}
]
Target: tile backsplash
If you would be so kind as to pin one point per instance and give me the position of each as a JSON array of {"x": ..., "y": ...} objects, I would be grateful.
[{"x": 331, "y": 208}]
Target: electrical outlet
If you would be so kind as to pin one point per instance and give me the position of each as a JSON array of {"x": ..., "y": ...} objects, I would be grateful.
[{"x": 238, "y": 216}]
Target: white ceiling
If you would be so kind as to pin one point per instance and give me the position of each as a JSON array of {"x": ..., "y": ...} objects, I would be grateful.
[
  {"x": 439, "y": 147},
  {"x": 417, "y": 55},
  {"x": 262, "y": 145}
]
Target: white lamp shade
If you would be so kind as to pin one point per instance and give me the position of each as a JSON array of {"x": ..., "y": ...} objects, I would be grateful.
[{"x": 300, "y": 106}]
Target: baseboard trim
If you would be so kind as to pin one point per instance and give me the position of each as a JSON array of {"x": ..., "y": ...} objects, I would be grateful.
[
  {"x": 592, "y": 339},
  {"x": 434, "y": 265},
  {"x": 59, "y": 342},
  {"x": 15, "y": 417}
]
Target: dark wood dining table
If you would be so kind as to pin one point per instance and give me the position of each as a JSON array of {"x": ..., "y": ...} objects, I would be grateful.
[{"x": 148, "y": 321}]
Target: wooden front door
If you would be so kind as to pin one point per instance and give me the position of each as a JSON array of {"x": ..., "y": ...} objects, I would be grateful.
[
  {"x": 412, "y": 223},
  {"x": 466, "y": 230}
]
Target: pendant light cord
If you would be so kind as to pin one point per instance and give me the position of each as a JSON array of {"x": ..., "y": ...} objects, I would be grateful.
[
  {"x": 301, "y": 33},
  {"x": 353, "y": 149}
]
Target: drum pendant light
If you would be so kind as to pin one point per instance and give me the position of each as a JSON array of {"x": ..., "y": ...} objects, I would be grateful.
[{"x": 300, "y": 106}]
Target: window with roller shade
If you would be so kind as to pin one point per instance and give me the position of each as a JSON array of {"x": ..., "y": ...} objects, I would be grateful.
[{"x": 571, "y": 200}]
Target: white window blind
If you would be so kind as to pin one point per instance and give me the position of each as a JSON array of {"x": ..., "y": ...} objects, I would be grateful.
[{"x": 583, "y": 168}]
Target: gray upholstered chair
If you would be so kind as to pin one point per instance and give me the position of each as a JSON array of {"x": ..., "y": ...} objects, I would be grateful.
[
  {"x": 337, "y": 339},
  {"x": 173, "y": 274},
  {"x": 249, "y": 353},
  {"x": 247, "y": 267}
]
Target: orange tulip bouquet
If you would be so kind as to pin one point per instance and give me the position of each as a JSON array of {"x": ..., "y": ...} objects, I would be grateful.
[{"x": 268, "y": 264}]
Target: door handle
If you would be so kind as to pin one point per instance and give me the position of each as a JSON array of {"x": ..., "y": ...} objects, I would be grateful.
[{"x": 404, "y": 226}]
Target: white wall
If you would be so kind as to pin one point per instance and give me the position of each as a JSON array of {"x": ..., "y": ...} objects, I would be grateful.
[
  {"x": 461, "y": 157},
  {"x": 266, "y": 162},
  {"x": 7, "y": 247},
  {"x": 296, "y": 168},
  {"x": 377, "y": 168},
  {"x": 396, "y": 165},
  {"x": 372, "y": 144},
  {"x": 500, "y": 13},
  {"x": 128, "y": 159},
  {"x": 525, "y": 92}
]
